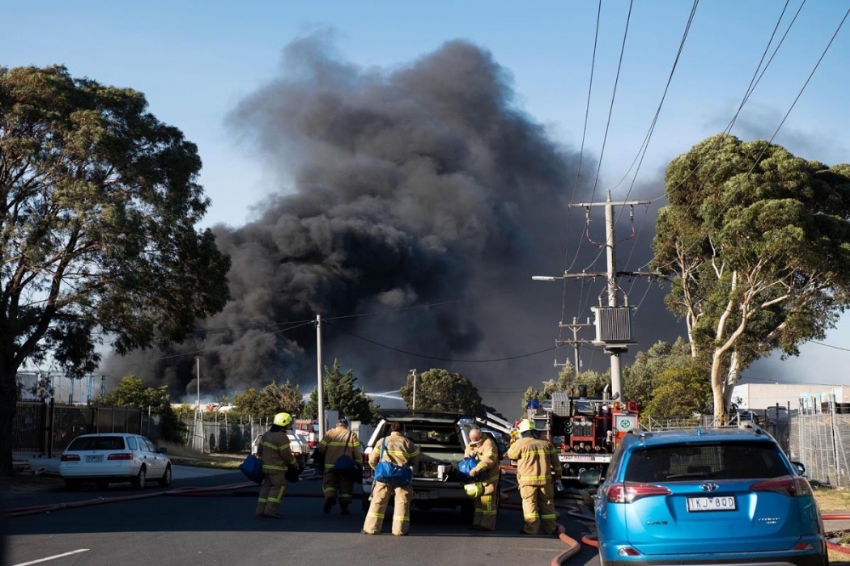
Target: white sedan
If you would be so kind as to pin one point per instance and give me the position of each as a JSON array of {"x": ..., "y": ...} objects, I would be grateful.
[{"x": 105, "y": 458}]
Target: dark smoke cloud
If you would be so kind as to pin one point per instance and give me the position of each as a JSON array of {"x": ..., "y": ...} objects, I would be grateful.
[{"x": 398, "y": 188}]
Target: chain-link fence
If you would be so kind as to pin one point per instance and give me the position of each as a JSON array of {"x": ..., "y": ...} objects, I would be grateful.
[
  {"x": 778, "y": 422},
  {"x": 820, "y": 439},
  {"x": 223, "y": 436},
  {"x": 46, "y": 428}
]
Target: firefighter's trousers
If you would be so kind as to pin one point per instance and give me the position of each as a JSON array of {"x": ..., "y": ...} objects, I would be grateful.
[
  {"x": 271, "y": 493},
  {"x": 335, "y": 484},
  {"x": 486, "y": 508},
  {"x": 381, "y": 494},
  {"x": 538, "y": 508}
]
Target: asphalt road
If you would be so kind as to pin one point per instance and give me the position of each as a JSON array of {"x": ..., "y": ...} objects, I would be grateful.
[{"x": 212, "y": 530}]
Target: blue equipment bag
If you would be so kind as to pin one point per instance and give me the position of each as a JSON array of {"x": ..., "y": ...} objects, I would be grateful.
[
  {"x": 465, "y": 466},
  {"x": 346, "y": 465},
  {"x": 252, "y": 467},
  {"x": 391, "y": 474}
]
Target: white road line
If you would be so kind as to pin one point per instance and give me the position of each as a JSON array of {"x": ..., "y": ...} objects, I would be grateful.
[{"x": 53, "y": 557}]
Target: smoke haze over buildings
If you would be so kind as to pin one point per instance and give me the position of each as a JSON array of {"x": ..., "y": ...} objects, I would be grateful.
[{"x": 399, "y": 188}]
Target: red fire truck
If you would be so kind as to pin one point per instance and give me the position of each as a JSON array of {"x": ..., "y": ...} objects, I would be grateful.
[{"x": 585, "y": 430}]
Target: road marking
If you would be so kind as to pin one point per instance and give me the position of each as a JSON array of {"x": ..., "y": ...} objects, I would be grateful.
[{"x": 53, "y": 557}]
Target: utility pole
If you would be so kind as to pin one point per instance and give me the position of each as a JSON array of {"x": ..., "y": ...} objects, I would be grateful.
[
  {"x": 321, "y": 391},
  {"x": 413, "y": 371},
  {"x": 575, "y": 342},
  {"x": 612, "y": 347},
  {"x": 199, "y": 416}
]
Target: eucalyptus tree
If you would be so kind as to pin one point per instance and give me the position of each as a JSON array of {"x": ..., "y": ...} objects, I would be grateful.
[
  {"x": 98, "y": 206},
  {"x": 757, "y": 243}
]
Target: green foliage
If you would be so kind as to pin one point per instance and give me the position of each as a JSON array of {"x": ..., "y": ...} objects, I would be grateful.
[
  {"x": 271, "y": 400},
  {"x": 98, "y": 206},
  {"x": 343, "y": 395},
  {"x": 532, "y": 394},
  {"x": 595, "y": 382},
  {"x": 441, "y": 390},
  {"x": 680, "y": 393},
  {"x": 757, "y": 242},
  {"x": 131, "y": 392},
  {"x": 640, "y": 378},
  {"x": 568, "y": 382}
]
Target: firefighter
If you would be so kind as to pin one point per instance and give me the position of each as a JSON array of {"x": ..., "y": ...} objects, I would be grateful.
[
  {"x": 536, "y": 460},
  {"x": 401, "y": 452},
  {"x": 487, "y": 472},
  {"x": 277, "y": 458},
  {"x": 335, "y": 484}
]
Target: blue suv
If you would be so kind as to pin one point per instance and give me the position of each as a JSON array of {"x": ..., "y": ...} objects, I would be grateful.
[{"x": 714, "y": 496}]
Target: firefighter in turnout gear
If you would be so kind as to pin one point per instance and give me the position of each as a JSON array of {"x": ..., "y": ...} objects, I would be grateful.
[
  {"x": 487, "y": 472},
  {"x": 401, "y": 452},
  {"x": 337, "y": 442},
  {"x": 277, "y": 458},
  {"x": 536, "y": 460}
]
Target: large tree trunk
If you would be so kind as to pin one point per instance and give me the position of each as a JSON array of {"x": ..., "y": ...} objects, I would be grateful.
[
  {"x": 718, "y": 387},
  {"x": 8, "y": 408}
]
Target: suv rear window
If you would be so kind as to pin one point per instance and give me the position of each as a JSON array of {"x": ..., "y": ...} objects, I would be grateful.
[
  {"x": 435, "y": 435},
  {"x": 97, "y": 443},
  {"x": 738, "y": 460}
]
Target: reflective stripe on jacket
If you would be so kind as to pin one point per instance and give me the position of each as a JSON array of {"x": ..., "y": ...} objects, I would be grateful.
[
  {"x": 275, "y": 452},
  {"x": 536, "y": 458},
  {"x": 487, "y": 452},
  {"x": 334, "y": 445},
  {"x": 400, "y": 451}
]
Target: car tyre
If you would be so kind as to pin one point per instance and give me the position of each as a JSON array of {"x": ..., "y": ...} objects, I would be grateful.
[
  {"x": 165, "y": 480},
  {"x": 102, "y": 484},
  {"x": 72, "y": 485},
  {"x": 138, "y": 482}
]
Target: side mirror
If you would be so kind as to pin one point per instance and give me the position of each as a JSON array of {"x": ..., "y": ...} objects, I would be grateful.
[
  {"x": 163, "y": 450},
  {"x": 801, "y": 469},
  {"x": 590, "y": 477}
]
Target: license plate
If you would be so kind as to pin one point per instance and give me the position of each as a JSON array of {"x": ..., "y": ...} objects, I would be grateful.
[
  {"x": 421, "y": 495},
  {"x": 94, "y": 458},
  {"x": 711, "y": 503}
]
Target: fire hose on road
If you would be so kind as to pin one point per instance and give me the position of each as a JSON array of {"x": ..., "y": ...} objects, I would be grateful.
[{"x": 230, "y": 490}]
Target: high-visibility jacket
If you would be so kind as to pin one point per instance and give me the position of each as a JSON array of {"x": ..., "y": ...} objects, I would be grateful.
[
  {"x": 536, "y": 459},
  {"x": 275, "y": 452},
  {"x": 487, "y": 452},
  {"x": 338, "y": 442},
  {"x": 400, "y": 451}
]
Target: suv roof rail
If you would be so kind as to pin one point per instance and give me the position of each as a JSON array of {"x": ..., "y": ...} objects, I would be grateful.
[{"x": 749, "y": 425}]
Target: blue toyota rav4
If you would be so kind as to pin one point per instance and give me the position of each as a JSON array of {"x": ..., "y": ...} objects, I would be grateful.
[{"x": 714, "y": 496}]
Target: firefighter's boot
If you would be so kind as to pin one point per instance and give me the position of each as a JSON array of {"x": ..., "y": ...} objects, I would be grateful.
[
  {"x": 329, "y": 503},
  {"x": 343, "y": 505}
]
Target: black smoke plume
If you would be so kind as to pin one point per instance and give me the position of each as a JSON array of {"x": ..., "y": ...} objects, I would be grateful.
[{"x": 398, "y": 188}]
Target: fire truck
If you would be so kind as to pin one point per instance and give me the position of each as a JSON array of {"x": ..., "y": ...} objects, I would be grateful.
[{"x": 585, "y": 430}]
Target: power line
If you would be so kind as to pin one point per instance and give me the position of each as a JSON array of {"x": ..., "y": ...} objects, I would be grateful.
[
  {"x": 580, "y": 157},
  {"x": 754, "y": 80},
  {"x": 613, "y": 98},
  {"x": 428, "y": 357}
]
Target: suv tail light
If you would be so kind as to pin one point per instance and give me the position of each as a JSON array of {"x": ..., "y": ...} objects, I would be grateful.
[
  {"x": 311, "y": 443},
  {"x": 125, "y": 456},
  {"x": 367, "y": 471},
  {"x": 70, "y": 458},
  {"x": 629, "y": 492},
  {"x": 786, "y": 485}
]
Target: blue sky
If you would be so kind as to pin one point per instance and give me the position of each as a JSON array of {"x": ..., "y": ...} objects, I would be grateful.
[{"x": 195, "y": 60}]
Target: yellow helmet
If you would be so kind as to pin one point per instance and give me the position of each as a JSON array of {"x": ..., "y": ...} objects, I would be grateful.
[
  {"x": 474, "y": 489},
  {"x": 282, "y": 419},
  {"x": 525, "y": 425}
]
